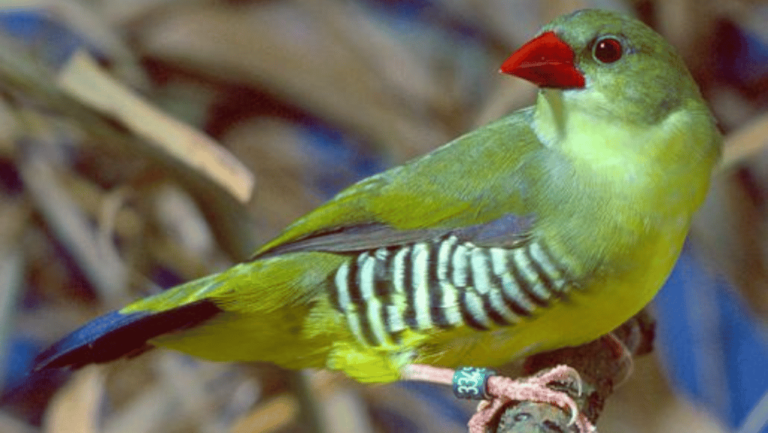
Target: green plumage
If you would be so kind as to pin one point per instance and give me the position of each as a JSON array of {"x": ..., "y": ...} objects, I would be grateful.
[
  {"x": 434, "y": 192},
  {"x": 603, "y": 178}
]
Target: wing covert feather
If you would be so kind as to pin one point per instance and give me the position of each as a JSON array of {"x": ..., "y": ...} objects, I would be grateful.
[{"x": 473, "y": 180}]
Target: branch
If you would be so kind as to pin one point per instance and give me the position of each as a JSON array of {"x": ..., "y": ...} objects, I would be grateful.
[{"x": 602, "y": 365}]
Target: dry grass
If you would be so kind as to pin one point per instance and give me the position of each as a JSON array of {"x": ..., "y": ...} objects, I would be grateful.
[{"x": 189, "y": 140}]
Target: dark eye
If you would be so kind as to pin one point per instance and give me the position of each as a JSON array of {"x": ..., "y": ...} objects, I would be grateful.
[{"x": 608, "y": 50}]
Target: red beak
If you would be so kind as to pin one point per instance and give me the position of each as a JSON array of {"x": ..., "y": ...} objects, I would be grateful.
[{"x": 546, "y": 61}]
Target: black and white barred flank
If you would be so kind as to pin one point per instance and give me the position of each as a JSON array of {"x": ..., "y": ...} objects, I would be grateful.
[{"x": 444, "y": 284}]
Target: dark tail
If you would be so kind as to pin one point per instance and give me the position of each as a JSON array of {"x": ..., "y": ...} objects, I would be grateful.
[{"x": 115, "y": 335}]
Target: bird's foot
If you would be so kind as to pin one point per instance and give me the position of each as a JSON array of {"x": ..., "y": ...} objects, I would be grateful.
[
  {"x": 503, "y": 390},
  {"x": 497, "y": 391}
]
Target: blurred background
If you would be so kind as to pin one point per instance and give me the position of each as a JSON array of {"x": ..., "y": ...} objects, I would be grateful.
[{"x": 144, "y": 143}]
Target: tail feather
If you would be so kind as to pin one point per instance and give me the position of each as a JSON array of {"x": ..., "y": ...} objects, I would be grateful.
[{"x": 116, "y": 335}]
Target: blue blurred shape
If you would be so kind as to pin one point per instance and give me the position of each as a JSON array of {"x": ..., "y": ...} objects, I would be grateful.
[
  {"x": 18, "y": 360},
  {"x": 345, "y": 161},
  {"x": 741, "y": 55},
  {"x": 48, "y": 38},
  {"x": 713, "y": 347}
]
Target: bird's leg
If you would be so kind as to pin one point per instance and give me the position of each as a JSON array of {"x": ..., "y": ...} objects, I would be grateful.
[{"x": 497, "y": 391}]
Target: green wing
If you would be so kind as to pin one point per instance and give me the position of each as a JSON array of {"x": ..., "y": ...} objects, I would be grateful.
[{"x": 476, "y": 179}]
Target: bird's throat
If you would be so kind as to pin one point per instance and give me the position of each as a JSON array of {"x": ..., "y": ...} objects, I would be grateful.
[
  {"x": 581, "y": 129},
  {"x": 550, "y": 116}
]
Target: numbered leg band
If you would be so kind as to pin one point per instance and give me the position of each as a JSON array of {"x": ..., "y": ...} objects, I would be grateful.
[{"x": 470, "y": 383}]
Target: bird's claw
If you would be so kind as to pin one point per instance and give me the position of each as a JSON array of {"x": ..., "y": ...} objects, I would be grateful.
[
  {"x": 503, "y": 390},
  {"x": 565, "y": 375}
]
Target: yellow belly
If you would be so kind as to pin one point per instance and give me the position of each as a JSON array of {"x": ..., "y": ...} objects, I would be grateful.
[
  {"x": 321, "y": 338},
  {"x": 586, "y": 314}
]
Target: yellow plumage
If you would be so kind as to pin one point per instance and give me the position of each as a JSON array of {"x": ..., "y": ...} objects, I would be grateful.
[{"x": 545, "y": 229}]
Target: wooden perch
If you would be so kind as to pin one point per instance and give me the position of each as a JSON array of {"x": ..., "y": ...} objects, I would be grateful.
[{"x": 602, "y": 365}]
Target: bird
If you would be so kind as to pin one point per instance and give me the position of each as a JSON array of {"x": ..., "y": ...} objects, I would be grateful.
[{"x": 544, "y": 229}]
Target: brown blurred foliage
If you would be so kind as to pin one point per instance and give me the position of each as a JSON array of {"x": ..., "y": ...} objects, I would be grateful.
[{"x": 190, "y": 136}]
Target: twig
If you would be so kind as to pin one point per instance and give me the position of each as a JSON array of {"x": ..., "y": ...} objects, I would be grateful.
[{"x": 602, "y": 366}]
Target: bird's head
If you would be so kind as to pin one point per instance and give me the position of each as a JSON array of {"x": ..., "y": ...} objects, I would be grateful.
[{"x": 608, "y": 64}]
